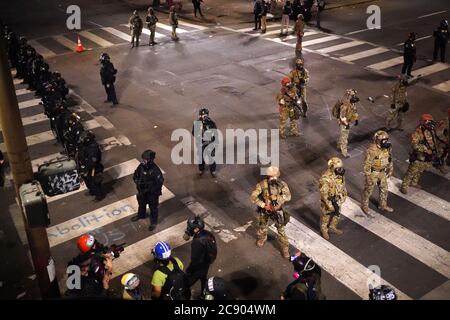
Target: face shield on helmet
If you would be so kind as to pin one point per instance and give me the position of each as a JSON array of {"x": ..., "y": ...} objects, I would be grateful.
[{"x": 130, "y": 281}]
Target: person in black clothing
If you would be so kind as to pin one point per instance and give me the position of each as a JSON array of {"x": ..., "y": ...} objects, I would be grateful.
[
  {"x": 257, "y": 10},
  {"x": 441, "y": 36},
  {"x": 13, "y": 48},
  {"x": 108, "y": 76},
  {"x": 149, "y": 182},
  {"x": 409, "y": 54},
  {"x": 197, "y": 7},
  {"x": 203, "y": 251},
  {"x": 307, "y": 284},
  {"x": 89, "y": 159},
  {"x": 217, "y": 290},
  {"x": 2, "y": 170},
  {"x": 72, "y": 133},
  {"x": 96, "y": 271},
  {"x": 203, "y": 131}
]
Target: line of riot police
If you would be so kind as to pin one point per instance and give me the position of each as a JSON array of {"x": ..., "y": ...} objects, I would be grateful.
[{"x": 66, "y": 125}]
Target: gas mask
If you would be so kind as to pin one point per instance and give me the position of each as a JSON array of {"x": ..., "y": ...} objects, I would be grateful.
[
  {"x": 385, "y": 144},
  {"x": 354, "y": 99},
  {"x": 404, "y": 83},
  {"x": 340, "y": 171},
  {"x": 430, "y": 125},
  {"x": 300, "y": 67}
]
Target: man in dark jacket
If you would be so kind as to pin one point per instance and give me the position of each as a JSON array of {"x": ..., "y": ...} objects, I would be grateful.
[
  {"x": 149, "y": 182},
  {"x": 197, "y": 7},
  {"x": 257, "y": 10},
  {"x": 441, "y": 36},
  {"x": 203, "y": 251},
  {"x": 89, "y": 159},
  {"x": 409, "y": 54},
  {"x": 204, "y": 132},
  {"x": 108, "y": 76}
]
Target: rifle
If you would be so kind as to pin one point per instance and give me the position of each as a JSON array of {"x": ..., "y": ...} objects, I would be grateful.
[
  {"x": 277, "y": 215},
  {"x": 337, "y": 209}
]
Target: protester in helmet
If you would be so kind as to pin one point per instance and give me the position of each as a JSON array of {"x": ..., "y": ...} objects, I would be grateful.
[
  {"x": 131, "y": 287},
  {"x": 382, "y": 292}
]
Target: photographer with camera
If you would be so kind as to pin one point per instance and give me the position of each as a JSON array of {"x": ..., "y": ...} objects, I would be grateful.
[
  {"x": 88, "y": 245},
  {"x": 95, "y": 271}
]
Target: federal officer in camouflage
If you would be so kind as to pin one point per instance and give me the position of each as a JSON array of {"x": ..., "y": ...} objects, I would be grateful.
[
  {"x": 288, "y": 108},
  {"x": 399, "y": 105},
  {"x": 270, "y": 195},
  {"x": 300, "y": 77},
  {"x": 136, "y": 26},
  {"x": 346, "y": 113},
  {"x": 378, "y": 167},
  {"x": 332, "y": 195},
  {"x": 424, "y": 153}
]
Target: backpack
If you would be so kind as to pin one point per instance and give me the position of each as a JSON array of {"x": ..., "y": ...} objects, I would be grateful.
[
  {"x": 176, "y": 286},
  {"x": 211, "y": 246},
  {"x": 336, "y": 109}
]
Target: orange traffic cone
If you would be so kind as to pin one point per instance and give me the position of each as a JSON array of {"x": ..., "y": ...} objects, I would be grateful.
[{"x": 80, "y": 47}]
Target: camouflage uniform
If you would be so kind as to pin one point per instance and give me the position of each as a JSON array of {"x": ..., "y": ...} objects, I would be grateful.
[
  {"x": 378, "y": 167},
  {"x": 285, "y": 98},
  {"x": 421, "y": 157},
  {"x": 173, "y": 20},
  {"x": 331, "y": 186},
  {"x": 266, "y": 192},
  {"x": 396, "y": 114},
  {"x": 136, "y": 26},
  {"x": 347, "y": 115},
  {"x": 300, "y": 78}
]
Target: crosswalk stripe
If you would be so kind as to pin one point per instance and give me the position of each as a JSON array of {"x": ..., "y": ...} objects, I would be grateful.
[
  {"x": 270, "y": 33},
  {"x": 118, "y": 33},
  {"x": 278, "y": 40},
  {"x": 342, "y": 46},
  {"x": 306, "y": 34},
  {"x": 94, "y": 38},
  {"x": 48, "y": 135},
  {"x": 157, "y": 34},
  {"x": 32, "y": 120},
  {"x": 69, "y": 44},
  {"x": 90, "y": 221},
  {"x": 386, "y": 64},
  {"x": 417, "y": 247},
  {"x": 187, "y": 24},
  {"x": 17, "y": 81},
  {"x": 269, "y": 26},
  {"x": 422, "y": 199},
  {"x": 139, "y": 253},
  {"x": 319, "y": 40},
  {"x": 439, "y": 293},
  {"x": 435, "y": 67},
  {"x": 115, "y": 172},
  {"x": 20, "y": 92},
  {"x": 29, "y": 103},
  {"x": 169, "y": 28},
  {"x": 443, "y": 86},
  {"x": 333, "y": 260},
  {"x": 364, "y": 54},
  {"x": 45, "y": 52},
  {"x": 106, "y": 144}
]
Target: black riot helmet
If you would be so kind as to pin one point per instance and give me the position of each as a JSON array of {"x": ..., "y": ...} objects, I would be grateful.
[
  {"x": 216, "y": 289},
  {"x": 444, "y": 24},
  {"x": 45, "y": 67},
  {"x": 412, "y": 36},
  {"x": 104, "y": 57},
  {"x": 203, "y": 112},
  {"x": 23, "y": 40},
  {"x": 382, "y": 292},
  {"x": 87, "y": 137},
  {"x": 148, "y": 156},
  {"x": 193, "y": 223},
  {"x": 304, "y": 266}
]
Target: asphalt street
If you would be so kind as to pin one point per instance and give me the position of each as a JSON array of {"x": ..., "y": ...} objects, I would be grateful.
[{"x": 236, "y": 74}]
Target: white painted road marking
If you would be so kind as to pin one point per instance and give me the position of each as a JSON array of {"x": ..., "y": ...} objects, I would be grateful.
[
  {"x": 45, "y": 52},
  {"x": 69, "y": 44},
  {"x": 114, "y": 173},
  {"x": 426, "y": 71},
  {"x": 139, "y": 253},
  {"x": 443, "y": 86},
  {"x": 364, "y": 54},
  {"x": 319, "y": 40},
  {"x": 29, "y": 103},
  {"x": 157, "y": 34},
  {"x": 421, "y": 198},
  {"x": 94, "y": 38},
  {"x": 431, "y": 14},
  {"x": 342, "y": 46},
  {"x": 20, "y": 92},
  {"x": 333, "y": 260},
  {"x": 118, "y": 33},
  {"x": 386, "y": 64},
  {"x": 440, "y": 293},
  {"x": 417, "y": 247},
  {"x": 187, "y": 24},
  {"x": 90, "y": 221}
]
